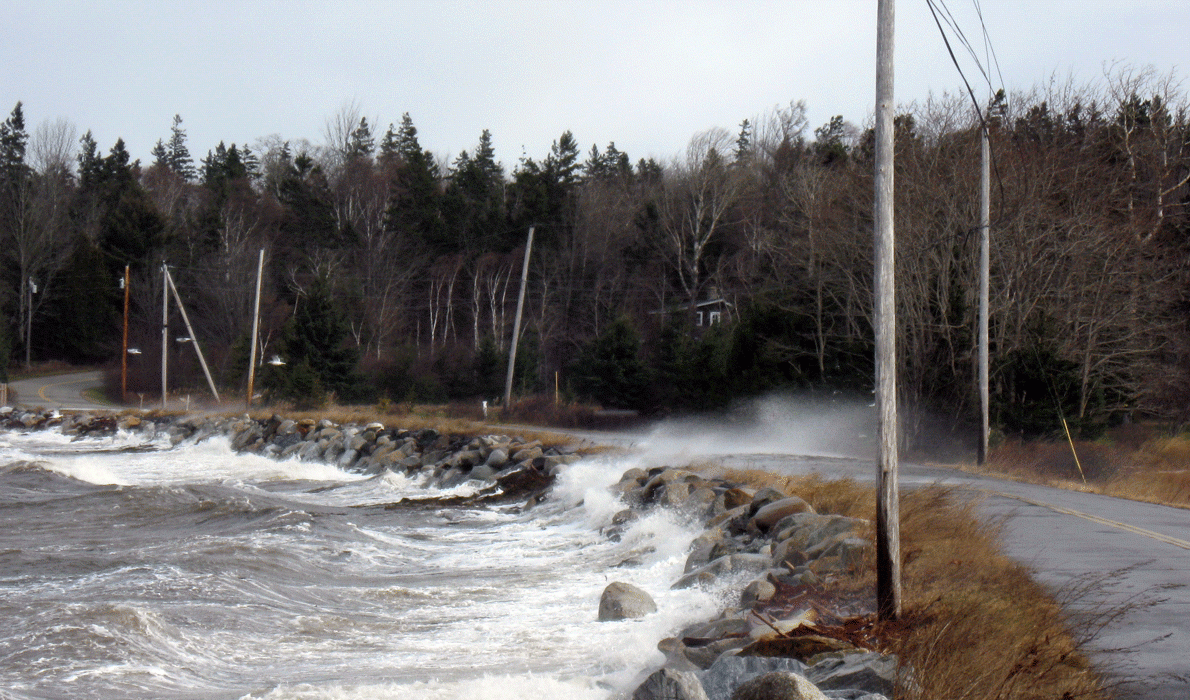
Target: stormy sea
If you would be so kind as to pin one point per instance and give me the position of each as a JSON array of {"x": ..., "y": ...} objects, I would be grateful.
[{"x": 134, "y": 569}]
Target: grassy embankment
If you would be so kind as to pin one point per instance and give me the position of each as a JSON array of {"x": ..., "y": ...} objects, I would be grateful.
[
  {"x": 975, "y": 624},
  {"x": 1143, "y": 462}
]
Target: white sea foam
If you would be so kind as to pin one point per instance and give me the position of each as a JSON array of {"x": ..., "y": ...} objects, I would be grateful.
[{"x": 367, "y": 602}]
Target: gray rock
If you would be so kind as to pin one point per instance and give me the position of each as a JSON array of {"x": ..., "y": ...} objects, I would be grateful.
[
  {"x": 870, "y": 672},
  {"x": 497, "y": 458},
  {"x": 622, "y": 601},
  {"x": 770, "y": 514},
  {"x": 483, "y": 472},
  {"x": 764, "y": 497},
  {"x": 759, "y": 591},
  {"x": 778, "y": 685},
  {"x": 670, "y": 684},
  {"x": 728, "y": 672}
]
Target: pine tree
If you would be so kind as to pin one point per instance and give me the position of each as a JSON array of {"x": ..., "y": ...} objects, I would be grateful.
[
  {"x": 177, "y": 154},
  {"x": 414, "y": 205},
  {"x": 13, "y": 140},
  {"x": 362, "y": 142}
]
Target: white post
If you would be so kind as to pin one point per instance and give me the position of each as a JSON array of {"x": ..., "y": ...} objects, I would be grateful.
[
  {"x": 516, "y": 324},
  {"x": 888, "y": 539},
  {"x": 255, "y": 327}
]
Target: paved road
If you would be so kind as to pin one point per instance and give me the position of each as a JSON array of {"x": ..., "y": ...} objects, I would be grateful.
[
  {"x": 1064, "y": 536},
  {"x": 64, "y": 391}
]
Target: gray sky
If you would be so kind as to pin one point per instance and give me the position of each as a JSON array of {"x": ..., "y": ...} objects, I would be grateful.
[{"x": 645, "y": 74}]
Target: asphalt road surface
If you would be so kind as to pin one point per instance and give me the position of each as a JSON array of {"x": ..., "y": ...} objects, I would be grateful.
[{"x": 64, "y": 391}]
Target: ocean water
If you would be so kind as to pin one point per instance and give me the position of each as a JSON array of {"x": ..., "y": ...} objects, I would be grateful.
[{"x": 132, "y": 569}]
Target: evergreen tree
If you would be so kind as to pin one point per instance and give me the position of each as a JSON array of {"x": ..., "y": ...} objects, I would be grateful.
[
  {"x": 473, "y": 205},
  {"x": 318, "y": 337},
  {"x": 743, "y": 144},
  {"x": 609, "y": 369},
  {"x": 414, "y": 203},
  {"x": 13, "y": 141},
  {"x": 176, "y": 154},
  {"x": 362, "y": 142},
  {"x": 486, "y": 367}
]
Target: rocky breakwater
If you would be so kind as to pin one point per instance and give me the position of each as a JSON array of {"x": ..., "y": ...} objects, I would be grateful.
[
  {"x": 794, "y": 631},
  {"x": 508, "y": 467},
  {"x": 505, "y": 467}
]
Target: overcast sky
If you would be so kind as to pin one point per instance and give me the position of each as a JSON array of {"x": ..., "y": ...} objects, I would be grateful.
[{"x": 645, "y": 74}]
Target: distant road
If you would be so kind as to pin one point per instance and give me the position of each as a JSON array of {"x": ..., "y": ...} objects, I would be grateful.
[{"x": 63, "y": 391}]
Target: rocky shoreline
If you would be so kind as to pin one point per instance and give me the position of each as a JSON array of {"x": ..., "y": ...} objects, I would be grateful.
[{"x": 786, "y": 637}]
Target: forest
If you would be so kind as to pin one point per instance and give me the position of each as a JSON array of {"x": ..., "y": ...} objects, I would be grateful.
[{"x": 739, "y": 267}]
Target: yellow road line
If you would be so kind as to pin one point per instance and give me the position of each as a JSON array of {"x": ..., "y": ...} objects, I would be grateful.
[
  {"x": 41, "y": 391},
  {"x": 1095, "y": 519}
]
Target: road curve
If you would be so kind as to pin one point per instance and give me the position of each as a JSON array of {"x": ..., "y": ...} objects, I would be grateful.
[{"x": 63, "y": 391}]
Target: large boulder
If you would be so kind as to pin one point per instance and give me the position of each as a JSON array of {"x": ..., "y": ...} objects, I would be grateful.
[
  {"x": 670, "y": 684},
  {"x": 622, "y": 601},
  {"x": 769, "y": 515},
  {"x": 778, "y": 685}
]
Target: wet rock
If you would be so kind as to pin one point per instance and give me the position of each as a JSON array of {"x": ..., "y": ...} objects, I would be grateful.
[
  {"x": 497, "y": 458},
  {"x": 622, "y": 601},
  {"x": 670, "y": 684},
  {"x": 759, "y": 591},
  {"x": 778, "y": 685},
  {"x": 729, "y": 672},
  {"x": 769, "y": 515},
  {"x": 869, "y": 672}
]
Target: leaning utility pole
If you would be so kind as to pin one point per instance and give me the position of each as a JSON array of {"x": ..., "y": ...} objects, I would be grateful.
[
  {"x": 985, "y": 224},
  {"x": 255, "y": 327},
  {"x": 164, "y": 335},
  {"x": 888, "y": 526},
  {"x": 193, "y": 338},
  {"x": 516, "y": 324}
]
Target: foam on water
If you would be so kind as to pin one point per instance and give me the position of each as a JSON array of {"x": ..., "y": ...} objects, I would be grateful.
[{"x": 300, "y": 580}]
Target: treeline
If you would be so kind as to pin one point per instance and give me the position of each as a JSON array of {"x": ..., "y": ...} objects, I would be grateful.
[{"x": 741, "y": 266}]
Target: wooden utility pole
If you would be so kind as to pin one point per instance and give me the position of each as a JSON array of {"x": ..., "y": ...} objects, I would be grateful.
[
  {"x": 31, "y": 289},
  {"x": 193, "y": 338},
  {"x": 888, "y": 525},
  {"x": 255, "y": 327},
  {"x": 516, "y": 324},
  {"x": 124, "y": 355},
  {"x": 164, "y": 335},
  {"x": 985, "y": 223}
]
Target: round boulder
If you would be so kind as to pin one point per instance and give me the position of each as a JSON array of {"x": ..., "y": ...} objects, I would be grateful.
[
  {"x": 778, "y": 685},
  {"x": 622, "y": 601}
]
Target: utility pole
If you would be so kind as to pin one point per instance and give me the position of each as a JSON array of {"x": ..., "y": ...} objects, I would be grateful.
[
  {"x": 255, "y": 327},
  {"x": 164, "y": 334},
  {"x": 516, "y": 324},
  {"x": 985, "y": 223},
  {"x": 888, "y": 521},
  {"x": 32, "y": 289},
  {"x": 124, "y": 354},
  {"x": 193, "y": 338}
]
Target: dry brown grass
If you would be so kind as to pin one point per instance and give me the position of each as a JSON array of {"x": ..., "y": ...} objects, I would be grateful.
[
  {"x": 1136, "y": 462},
  {"x": 975, "y": 624}
]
